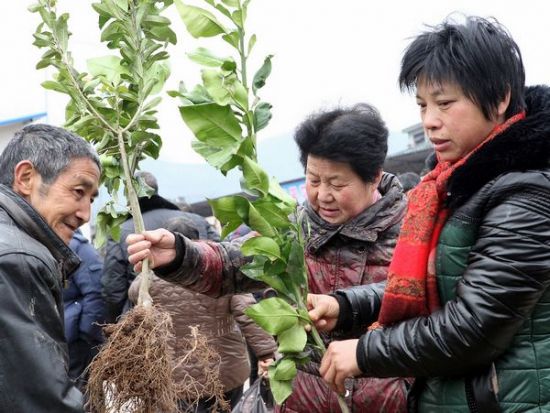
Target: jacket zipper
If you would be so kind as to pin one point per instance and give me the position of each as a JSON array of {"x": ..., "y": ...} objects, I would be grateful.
[{"x": 472, "y": 405}]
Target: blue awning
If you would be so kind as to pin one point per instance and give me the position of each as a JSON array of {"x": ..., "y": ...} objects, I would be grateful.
[{"x": 23, "y": 119}]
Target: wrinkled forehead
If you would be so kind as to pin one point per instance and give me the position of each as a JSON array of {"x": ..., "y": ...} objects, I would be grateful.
[{"x": 83, "y": 172}]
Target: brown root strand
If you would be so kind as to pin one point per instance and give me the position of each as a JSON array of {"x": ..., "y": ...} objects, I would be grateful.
[
  {"x": 133, "y": 372},
  {"x": 198, "y": 352}
]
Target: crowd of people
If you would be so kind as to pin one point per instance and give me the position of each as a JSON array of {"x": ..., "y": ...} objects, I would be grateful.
[{"x": 431, "y": 293}]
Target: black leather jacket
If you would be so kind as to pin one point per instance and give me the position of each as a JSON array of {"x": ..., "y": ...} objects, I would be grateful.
[
  {"x": 33, "y": 354},
  {"x": 504, "y": 194}
]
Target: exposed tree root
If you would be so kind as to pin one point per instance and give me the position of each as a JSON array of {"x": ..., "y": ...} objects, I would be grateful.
[
  {"x": 133, "y": 372},
  {"x": 199, "y": 353}
]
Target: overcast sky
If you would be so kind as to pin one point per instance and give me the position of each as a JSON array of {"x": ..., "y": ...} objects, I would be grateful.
[{"x": 326, "y": 53}]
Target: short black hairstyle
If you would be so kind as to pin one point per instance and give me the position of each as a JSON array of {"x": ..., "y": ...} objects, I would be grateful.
[
  {"x": 184, "y": 226},
  {"x": 478, "y": 55},
  {"x": 408, "y": 180},
  {"x": 50, "y": 149},
  {"x": 357, "y": 136}
]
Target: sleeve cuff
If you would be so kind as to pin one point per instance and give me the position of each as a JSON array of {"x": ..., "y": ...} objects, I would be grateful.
[
  {"x": 361, "y": 354},
  {"x": 173, "y": 266},
  {"x": 345, "y": 315}
]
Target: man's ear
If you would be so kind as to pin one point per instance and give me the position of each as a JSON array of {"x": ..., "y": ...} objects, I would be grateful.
[{"x": 24, "y": 178}]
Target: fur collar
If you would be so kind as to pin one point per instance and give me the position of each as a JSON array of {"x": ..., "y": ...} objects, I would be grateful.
[
  {"x": 377, "y": 218},
  {"x": 524, "y": 145}
]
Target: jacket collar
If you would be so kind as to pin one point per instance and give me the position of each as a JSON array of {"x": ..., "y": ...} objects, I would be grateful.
[
  {"x": 155, "y": 202},
  {"x": 28, "y": 220},
  {"x": 384, "y": 213},
  {"x": 524, "y": 145}
]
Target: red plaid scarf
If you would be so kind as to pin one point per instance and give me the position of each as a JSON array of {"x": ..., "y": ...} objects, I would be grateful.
[{"x": 411, "y": 290}]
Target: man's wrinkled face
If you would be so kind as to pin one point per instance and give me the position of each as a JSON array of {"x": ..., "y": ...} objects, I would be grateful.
[{"x": 65, "y": 203}]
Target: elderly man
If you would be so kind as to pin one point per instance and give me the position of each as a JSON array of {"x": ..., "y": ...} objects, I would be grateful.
[{"x": 49, "y": 179}]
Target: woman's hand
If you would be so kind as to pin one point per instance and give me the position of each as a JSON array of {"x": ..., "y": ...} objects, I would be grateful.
[
  {"x": 159, "y": 246},
  {"x": 263, "y": 366},
  {"x": 339, "y": 363},
  {"x": 323, "y": 311}
]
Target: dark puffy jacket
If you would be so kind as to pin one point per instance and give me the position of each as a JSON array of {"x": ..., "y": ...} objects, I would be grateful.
[
  {"x": 84, "y": 306},
  {"x": 118, "y": 273},
  {"x": 34, "y": 262},
  {"x": 486, "y": 349},
  {"x": 337, "y": 256},
  {"x": 221, "y": 320}
]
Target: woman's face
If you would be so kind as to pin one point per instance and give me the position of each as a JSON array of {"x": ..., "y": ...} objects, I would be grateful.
[
  {"x": 454, "y": 124},
  {"x": 335, "y": 191}
]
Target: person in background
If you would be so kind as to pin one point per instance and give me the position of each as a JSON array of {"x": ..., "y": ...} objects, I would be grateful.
[
  {"x": 221, "y": 320},
  {"x": 351, "y": 222},
  {"x": 84, "y": 309},
  {"x": 467, "y": 302},
  {"x": 117, "y": 273},
  {"x": 49, "y": 179},
  {"x": 408, "y": 180}
]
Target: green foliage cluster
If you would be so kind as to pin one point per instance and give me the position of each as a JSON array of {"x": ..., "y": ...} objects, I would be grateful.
[
  {"x": 225, "y": 113},
  {"x": 112, "y": 104}
]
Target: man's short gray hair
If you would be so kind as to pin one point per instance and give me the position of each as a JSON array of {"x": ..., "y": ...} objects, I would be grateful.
[{"x": 49, "y": 148}]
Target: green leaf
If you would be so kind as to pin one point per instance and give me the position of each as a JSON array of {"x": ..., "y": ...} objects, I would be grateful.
[
  {"x": 156, "y": 20},
  {"x": 108, "y": 67},
  {"x": 33, "y": 8},
  {"x": 108, "y": 222},
  {"x": 163, "y": 34},
  {"x": 52, "y": 85},
  {"x": 261, "y": 75},
  {"x": 231, "y": 3},
  {"x": 121, "y": 4},
  {"x": 209, "y": 121},
  {"x": 205, "y": 57},
  {"x": 255, "y": 269},
  {"x": 156, "y": 76},
  {"x": 258, "y": 223},
  {"x": 215, "y": 155},
  {"x": 237, "y": 17},
  {"x": 274, "y": 315},
  {"x": 281, "y": 389},
  {"x": 232, "y": 38},
  {"x": 261, "y": 246},
  {"x": 284, "y": 370},
  {"x": 279, "y": 193},
  {"x": 225, "y": 89},
  {"x": 251, "y": 43},
  {"x": 272, "y": 213},
  {"x": 199, "y": 22},
  {"x": 62, "y": 31},
  {"x": 296, "y": 265},
  {"x": 230, "y": 208},
  {"x": 197, "y": 96},
  {"x": 292, "y": 340},
  {"x": 255, "y": 177},
  {"x": 213, "y": 81},
  {"x": 262, "y": 115}
]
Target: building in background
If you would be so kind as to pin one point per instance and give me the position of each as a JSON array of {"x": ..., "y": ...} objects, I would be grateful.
[
  {"x": 411, "y": 159},
  {"x": 9, "y": 126}
]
